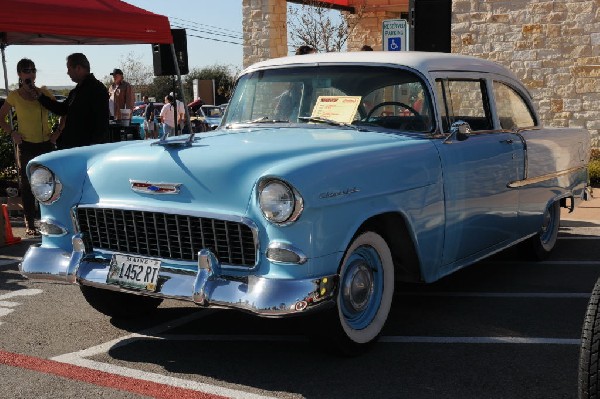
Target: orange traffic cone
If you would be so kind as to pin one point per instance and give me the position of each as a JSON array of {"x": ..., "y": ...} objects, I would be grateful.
[{"x": 9, "y": 238}]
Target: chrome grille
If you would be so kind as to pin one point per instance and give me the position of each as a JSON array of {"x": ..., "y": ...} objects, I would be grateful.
[{"x": 166, "y": 235}]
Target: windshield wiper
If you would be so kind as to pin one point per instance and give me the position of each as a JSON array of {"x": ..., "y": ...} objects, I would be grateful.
[
  {"x": 262, "y": 119},
  {"x": 266, "y": 119},
  {"x": 331, "y": 122},
  {"x": 320, "y": 119}
]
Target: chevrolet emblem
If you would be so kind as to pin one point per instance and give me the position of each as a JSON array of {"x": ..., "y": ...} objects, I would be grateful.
[{"x": 154, "y": 188}]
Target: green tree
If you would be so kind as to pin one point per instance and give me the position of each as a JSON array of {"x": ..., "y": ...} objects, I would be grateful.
[
  {"x": 160, "y": 87},
  {"x": 223, "y": 75}
]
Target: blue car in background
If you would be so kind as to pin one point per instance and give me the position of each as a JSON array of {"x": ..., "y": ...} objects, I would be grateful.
[
  {"x": 331, "y": 177},
  {"x": 212, "y": 115}
]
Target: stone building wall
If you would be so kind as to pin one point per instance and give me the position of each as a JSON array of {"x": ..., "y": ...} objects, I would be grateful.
[
  {"x": 369, "y": 18},
  {"x": 264, "y": 25},
  {"x": 552, "y": 46}
]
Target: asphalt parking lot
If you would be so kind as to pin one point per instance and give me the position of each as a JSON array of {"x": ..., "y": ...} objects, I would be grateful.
[{"x": 503, "y": 328}]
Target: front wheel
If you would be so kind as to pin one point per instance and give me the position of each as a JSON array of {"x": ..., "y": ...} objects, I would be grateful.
[
  {"x": 364, "y": 296},
  {"x": 119, "y": 305},
  {"x": 540, "y": 245}
]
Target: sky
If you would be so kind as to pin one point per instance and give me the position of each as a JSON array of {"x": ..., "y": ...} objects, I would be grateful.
[{"x": 220, "y": 20}]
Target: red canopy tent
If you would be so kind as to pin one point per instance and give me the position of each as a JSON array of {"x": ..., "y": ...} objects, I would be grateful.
[{"x": 80, "y": 22}]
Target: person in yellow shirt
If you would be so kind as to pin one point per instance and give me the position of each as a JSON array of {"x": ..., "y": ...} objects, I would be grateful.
[{"x": 33, "y": 135}]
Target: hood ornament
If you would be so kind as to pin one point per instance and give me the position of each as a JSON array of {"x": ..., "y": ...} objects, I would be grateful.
[{"x": 146, "y": 187}]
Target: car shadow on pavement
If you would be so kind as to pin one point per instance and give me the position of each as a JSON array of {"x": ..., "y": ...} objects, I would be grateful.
[{"x": 272, "y": 363}]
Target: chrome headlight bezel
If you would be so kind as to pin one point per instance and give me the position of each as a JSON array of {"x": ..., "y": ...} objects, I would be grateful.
[
  {"x": 268, "y": 206},
  {"x": 45, "y": 186}
]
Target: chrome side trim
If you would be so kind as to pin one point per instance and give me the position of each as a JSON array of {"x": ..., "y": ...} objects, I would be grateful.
[
  {"x": 549, "y": 176},
  {"x": 587, "y": 194}
]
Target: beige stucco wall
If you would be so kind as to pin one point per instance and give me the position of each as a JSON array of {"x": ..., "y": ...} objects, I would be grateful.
[{"x": 553, "y": 46}]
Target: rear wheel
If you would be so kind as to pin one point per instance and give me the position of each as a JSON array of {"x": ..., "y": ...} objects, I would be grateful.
[
  {"x": 119, "y": 304},
  {"x": 539, "y": 246},
  {"x": 364, "y": 297}
]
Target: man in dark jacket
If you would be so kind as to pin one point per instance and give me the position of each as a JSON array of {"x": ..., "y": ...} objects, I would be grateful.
[{"x": 85, "y": 109}]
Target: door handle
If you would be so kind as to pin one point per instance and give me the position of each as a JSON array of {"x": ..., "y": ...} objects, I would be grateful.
[{"x": 507, "y": 141}]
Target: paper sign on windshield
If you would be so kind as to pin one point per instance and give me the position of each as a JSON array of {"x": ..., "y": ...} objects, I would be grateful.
[{"x": 338, "y": 108}]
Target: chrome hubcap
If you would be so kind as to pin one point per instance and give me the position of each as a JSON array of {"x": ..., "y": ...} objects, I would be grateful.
[{"x": 358, "y": 286}]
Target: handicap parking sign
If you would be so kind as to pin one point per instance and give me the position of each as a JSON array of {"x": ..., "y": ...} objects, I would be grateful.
[
  {"x": 394, "y": 44},
  {"x": 395, "y": 35}
]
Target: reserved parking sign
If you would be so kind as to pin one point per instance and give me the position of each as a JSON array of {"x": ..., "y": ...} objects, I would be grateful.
[{"x": 395, "y": 35}]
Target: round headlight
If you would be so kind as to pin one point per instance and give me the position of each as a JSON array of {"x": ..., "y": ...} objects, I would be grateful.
[
  {"x": 44, "y": 186},
  {"x": 279, "y": 203}
]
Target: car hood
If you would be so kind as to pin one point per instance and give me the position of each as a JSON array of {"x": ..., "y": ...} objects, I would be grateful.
[{"x": 218, "y": 171}]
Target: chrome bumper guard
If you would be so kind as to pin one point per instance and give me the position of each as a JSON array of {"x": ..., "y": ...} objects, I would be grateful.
[
  {"x": 587, "y": 194},
  {"x": 207, "y": 287}
]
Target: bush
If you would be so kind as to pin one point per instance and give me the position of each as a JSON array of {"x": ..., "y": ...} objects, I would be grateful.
[
  {"x": 594, "y": 167},
  {"x": 8, "y": 166}
]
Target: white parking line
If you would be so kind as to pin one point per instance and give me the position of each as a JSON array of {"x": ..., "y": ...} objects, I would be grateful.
[
  {"x": 578, "y": 238},
  {"x": 79, "y": 359},
  {"x": 499, "y": 294},
  {"x": 482, "y": 340},
  {"x": 543, "y": 263},
  {"x": 24, "y": 292},
  {"x": 162, "y": 379}
]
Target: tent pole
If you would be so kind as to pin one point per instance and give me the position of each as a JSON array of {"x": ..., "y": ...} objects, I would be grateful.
[
  {"x": 2, "y": 47},
  {"x": 187, "y": 112}
]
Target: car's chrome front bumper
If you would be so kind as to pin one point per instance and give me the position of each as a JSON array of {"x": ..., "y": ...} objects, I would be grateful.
[{"x": 206, "y": 287}]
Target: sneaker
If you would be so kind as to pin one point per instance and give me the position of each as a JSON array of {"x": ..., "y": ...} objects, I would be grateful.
[{"x": 32, "y": 232}]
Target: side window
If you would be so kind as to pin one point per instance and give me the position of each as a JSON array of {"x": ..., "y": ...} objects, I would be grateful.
[
  {"x": 464, "y": 100},
  {"x": 513, "y": 111}
]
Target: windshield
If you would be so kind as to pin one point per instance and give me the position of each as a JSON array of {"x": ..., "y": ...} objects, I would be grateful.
[
  {"x": 212, "y": 111},
  {"x": 384, "y": 97}
]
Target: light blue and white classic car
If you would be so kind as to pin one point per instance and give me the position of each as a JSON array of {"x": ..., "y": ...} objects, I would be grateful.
[{"x": 331, "y": 177}]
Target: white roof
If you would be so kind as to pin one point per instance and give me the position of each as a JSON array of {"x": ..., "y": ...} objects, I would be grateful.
[{"x": 422, "y": 61}]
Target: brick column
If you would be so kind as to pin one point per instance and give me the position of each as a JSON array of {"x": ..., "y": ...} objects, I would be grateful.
[{"x": 265, "y": 32}]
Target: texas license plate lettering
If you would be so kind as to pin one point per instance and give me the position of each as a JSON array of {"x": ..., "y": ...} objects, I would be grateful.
[{"x": 133, "y": 271}]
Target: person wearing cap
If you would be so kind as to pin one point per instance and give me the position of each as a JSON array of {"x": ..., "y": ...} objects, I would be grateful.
[{"x": 120, "y": 95}]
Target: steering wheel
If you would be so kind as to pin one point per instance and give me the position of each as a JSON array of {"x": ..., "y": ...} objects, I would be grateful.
[{"x": 397, "y": 103}]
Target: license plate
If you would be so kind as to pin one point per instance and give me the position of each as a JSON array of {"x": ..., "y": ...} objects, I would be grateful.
[{"x": 134, "y": 272}]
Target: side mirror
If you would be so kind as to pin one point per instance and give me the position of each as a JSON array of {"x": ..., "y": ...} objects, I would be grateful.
[{"x": 459, "y": 131}]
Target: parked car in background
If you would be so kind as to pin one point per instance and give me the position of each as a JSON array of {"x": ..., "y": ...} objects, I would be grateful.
[
  {"x": 212, "y": 115},
  {"x": 331, "y": 177}
]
